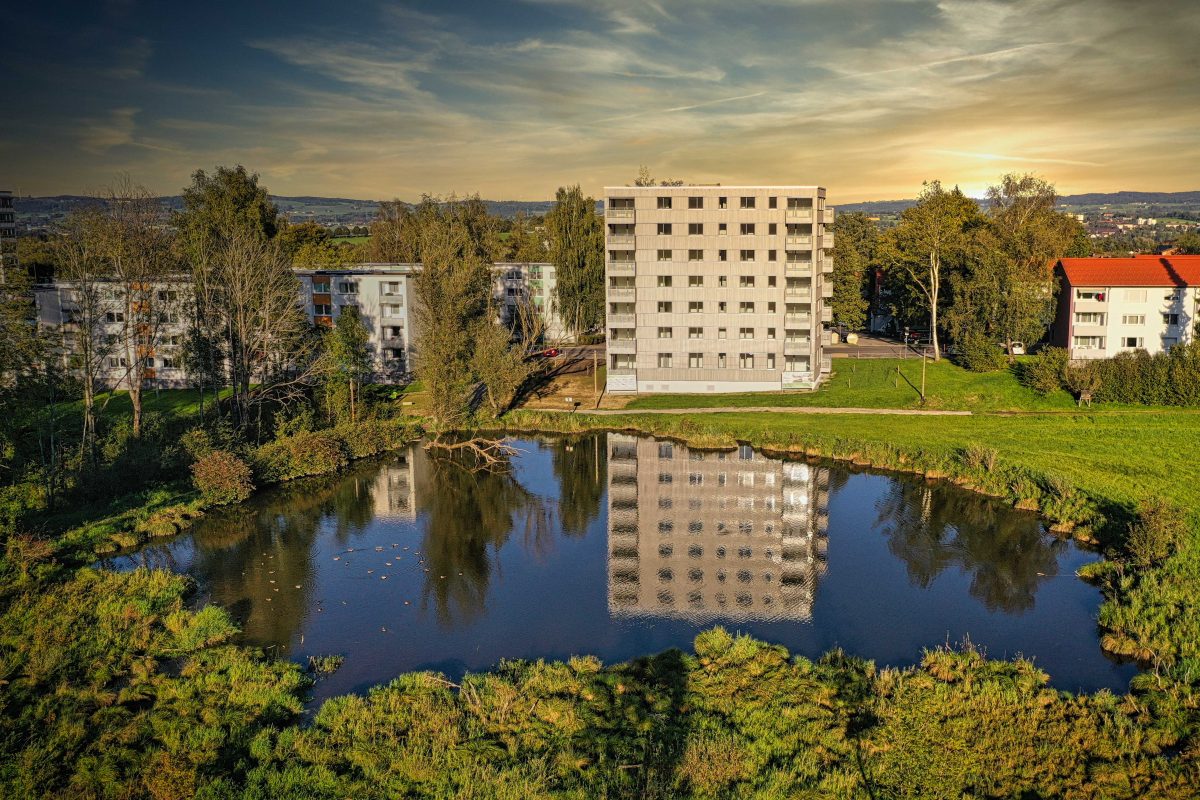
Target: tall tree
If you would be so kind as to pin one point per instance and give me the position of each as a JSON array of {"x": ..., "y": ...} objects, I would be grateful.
[
  {"x": 346, "y": 361},
  {"x": 930, "y": 237},
  {"x": 576, "y": 235},
  {"x": 1005, "y": 291},
  {"x": 144, "y": 274},
  {"x": 854, "y": 254},
  {"x": 527, "y": 240}
]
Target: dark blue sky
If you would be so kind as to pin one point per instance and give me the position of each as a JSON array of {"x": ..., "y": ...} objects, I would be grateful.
[{"x": 512, "y": 99}]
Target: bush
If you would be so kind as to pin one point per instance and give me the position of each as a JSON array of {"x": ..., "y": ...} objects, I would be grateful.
[
  {"x": 1157, "y": 533},
  {"x": 978, "y": 353},
  {"x": 1046, "y": 371},
  {"x": 314, "y": 453},
  {"x": 373, "y": 436},
  {"x": 222, "y": 478}
]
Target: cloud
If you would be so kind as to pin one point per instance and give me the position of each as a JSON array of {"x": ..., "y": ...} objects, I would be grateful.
[{"x": 98, "y": 136}]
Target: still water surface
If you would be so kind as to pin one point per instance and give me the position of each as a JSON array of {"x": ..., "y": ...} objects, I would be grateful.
[{"x": 622, "y": 546}]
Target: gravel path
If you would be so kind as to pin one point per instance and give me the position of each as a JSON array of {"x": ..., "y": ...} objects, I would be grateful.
[{"x": 911, "y": 412}]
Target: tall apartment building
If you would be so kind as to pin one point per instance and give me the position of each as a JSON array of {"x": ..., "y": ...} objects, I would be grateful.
[
  {"x": 1112, "y": 305},
  {"x": 8, "y": 232},
  {"x": 702, "y": 535},
  {"x": 716, "y": 288}
]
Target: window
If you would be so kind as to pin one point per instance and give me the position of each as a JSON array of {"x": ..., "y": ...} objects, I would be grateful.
[
  {"x": 664, "y": 255},
  {"x": 695, "y": 306},
  {"x": 622, "y": 362},
  {"x": 1169, "y": 342},
  {"x": 695, "y": 281},
  {"x": 1135, "y": 295},
  {"x": 746, "y": 360},
  {"x": 114, "y": 316},
  {"x": 322, "y": 309},
  {"x": 1133, "y": 319},
  {"x": 771, "y": 280},
  {"x": 1089, "y": 318},
  {"x": 772, "y": 255},
  {"x": 745, "y": 333},
  {"x": 664, "y": 229},
  {"x": 321, "y": 288},
  {"x": 695, "y": 202},
  {"x": 722, "y": 202},
  {"x": 720, "y": 360},
  {"x": 664, "y": 333},
  {"x": 722, "y": 333},
  {"x": 747, "y": 229},
  {"x": 666, "y": 450},
  {"x": 1170, "y": 319},
  {"x": 722, "y": 255},
  {"x": 722, "y": 281},
  {"x": 695, "y": 360},
  {"x": 747, "y": 255},
  {"x": 770, "y": 333},
  {"x": 664, "y": 202},
  {"x": 664, "y": 281},
  {"x": 664, "y": 306},
  {"x": 721, "y": 307},
  {"x": 746, "y": 281},
  {"x": 772, "y": 202},
  {"x": 1131, "y": 341},
  {"x": 117, "y": 362},
  {"x": 695, "y": 255},
  {"x": 348, "y": 287},
  {"x": 1089, "y": 342},
  {"x": 695, "y": 333},
  {"x": 664, "y": 360},
  {"x": 770, "y": 361},
  {"x": 771, "y": 307},
  {"x": 722, "y": 228},
  {"x": 747, "y": 202},
  {"x": 745, "y": 307},
  {"x": 1089, "y": 294}
]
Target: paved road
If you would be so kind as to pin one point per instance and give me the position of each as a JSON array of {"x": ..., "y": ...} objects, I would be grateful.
[{"x": 910, "y": 412}]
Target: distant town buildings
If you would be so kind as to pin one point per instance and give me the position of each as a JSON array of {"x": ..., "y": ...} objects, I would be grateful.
[
  {"x": 716, "y": 288},
  {"x": 1112, "y": 305},
  {"x": 701, "y": 535}
]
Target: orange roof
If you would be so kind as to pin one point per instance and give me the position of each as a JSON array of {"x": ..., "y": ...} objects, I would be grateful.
[{"x": 1134, "y": 271}]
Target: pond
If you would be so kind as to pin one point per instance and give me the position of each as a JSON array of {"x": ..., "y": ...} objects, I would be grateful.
[{"x": 621, "y": 546}]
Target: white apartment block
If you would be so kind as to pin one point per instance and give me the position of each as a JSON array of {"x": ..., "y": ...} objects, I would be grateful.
[
  {"x": 8, "y": 232},
  {"x": 703, "y": 535},
  {"x": 716, "y": 288},
  {"x": 1108, "y": 306}
]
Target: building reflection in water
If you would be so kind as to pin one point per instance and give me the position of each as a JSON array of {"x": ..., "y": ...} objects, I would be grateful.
[{"x": 707, "y": 535}]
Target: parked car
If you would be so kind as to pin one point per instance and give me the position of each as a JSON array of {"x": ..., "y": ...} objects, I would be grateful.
[
  {"x": 549, "y": 352},
  {"x": 1018, "y": 348}
]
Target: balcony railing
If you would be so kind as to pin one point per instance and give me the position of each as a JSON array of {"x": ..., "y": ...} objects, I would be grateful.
[
  {"x": 624, "y": 346},
  {"x": 826, "y": 314},
  {"x": 619, "y": 213},
  {"x": 802, "y": 295},
  {"x": 827, "y": 240},
  {"x": 798, "y": 319},
  {"x": 798, "y": 214},
  {"x": 797, "y": 347},
  {"x": 620, "y": 238},
  {"x": 798, "y": 268},
  {"x": 803, "y": 239},
  {"x": 622, "y": 292},
  {"x": 621, "y": 320},
  {"x": 621, "y": 267}
]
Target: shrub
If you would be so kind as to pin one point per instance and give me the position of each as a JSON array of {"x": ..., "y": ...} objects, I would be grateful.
[
  {"x": 978, "y": 353},
  {"x": 315, "y": 453},
  {"x": 222, "y": 478},
  {"x": 1046, "y": 371},
  {"x": 1159, "y": 530},
  {"x": 373, "y": 436},
  {"x": 197, "y": 442}
]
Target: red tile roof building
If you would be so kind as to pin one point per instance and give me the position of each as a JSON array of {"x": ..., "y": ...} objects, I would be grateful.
[{"x": 1111, "y": 305}]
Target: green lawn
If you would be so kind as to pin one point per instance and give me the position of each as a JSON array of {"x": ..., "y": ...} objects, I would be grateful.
[
  {"x": 349, "y": 239},
  {"x": 169, "y": 402},
  {"x": 888, "y": 383}
]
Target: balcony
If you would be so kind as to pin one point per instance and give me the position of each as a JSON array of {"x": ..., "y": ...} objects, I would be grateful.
[
  {"x": 393, "y": 342},
  {"x": 803, "y": 241},
  {"x": 621, "y": 292},
  {"x": 615, "y": 239},
  {"x": 827, "y": 216},
  {"x": 797, "y": 347},
  {"x": 798, "y": 320},
  {"x": 622, "y": 320},
  {"x": 827, "y": 289},
  {"x": 799, "y": 214},
  {"x": 827, "y": 240},
  {"x": 798, "y": 268},
  {"x": 621, "y": 267},
  {"x": 826, "y": 314},
  {"x": 618, "y": 213},
  {"x": 623, "y": 346},
  {"x": 801, "y": 295},
  {"x": 826, "y": 338}
]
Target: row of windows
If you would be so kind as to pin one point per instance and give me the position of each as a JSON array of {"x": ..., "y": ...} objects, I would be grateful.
[
  {"x": 744, "y": 229},
  {"x": 620, "y": 361},
  {"x": 697, "y": 332},
  {"x": 790, "y": 256},
  {"x": 1100, "y": 318},
  {"x": 798, "y": 310},
  {"x": 667, "y": 575},
  {"x": 1129, "y": 295},
  {"x": 696, "y": 600},
  {"x": 116, "y": 362},
  {"x": 694, "y": 202}
]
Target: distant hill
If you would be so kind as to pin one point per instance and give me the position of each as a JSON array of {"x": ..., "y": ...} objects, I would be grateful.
[{"x": 38, "y": 212}]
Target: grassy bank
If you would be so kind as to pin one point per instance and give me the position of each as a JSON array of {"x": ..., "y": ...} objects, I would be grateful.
[{"x": 891, "y": 383}]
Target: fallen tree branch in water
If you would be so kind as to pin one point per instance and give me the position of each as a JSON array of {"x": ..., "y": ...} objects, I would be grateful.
[{"x": 489, "y": 453}]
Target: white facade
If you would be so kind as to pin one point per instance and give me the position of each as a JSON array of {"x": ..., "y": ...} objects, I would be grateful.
[{"x": 716, "y": 288}]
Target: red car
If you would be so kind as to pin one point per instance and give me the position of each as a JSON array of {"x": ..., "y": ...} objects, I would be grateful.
[{"x": 549, "y": 352}]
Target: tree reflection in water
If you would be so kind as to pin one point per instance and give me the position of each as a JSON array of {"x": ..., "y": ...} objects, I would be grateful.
[
  {"x": 1006, "y": 553},
  {"x": 581, "y": 467}
]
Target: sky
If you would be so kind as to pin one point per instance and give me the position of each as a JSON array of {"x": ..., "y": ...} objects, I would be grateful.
[{"x": 377, "y": 100}]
